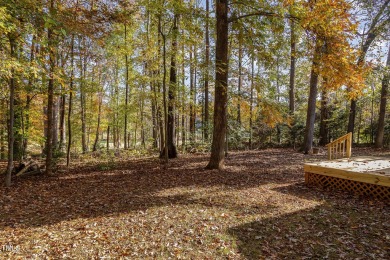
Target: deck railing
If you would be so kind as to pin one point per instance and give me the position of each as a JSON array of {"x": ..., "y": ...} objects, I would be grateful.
[{"x": 340, "y": 148}]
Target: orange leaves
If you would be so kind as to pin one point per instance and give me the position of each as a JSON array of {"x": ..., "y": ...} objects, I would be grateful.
[
  {"x": 338, "y": 68},
  {"x": 272, "y": 114},
  {"x": 330, "y": 22},
  {"x": 327, "y": 18}
]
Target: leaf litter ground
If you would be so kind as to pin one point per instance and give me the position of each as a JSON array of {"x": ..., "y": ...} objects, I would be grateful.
[{"x": 257, "y": 207}]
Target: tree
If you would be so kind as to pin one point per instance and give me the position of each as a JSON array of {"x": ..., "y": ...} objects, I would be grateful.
[
  {"x": 221, "y": 80},
  {"x": 383, "y": 102},
  {"x": 50, "y": 93},
  {"x": 333, "y": 56},
  {"x": 311, "y": 109},
  {"x": 172, "y": 152},
  {"x": 377, "y": 26},
  {"x": 126, "y": 145},
  {"x": 206, "y": 80},
  {"x": 70, "y": 102},
  {"x": 12, "y": 87}
]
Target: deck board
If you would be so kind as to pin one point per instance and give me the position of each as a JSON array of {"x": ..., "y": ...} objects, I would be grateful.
[{"x": 368, "y": 169}]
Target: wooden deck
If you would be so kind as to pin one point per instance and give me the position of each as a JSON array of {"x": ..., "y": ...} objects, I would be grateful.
[{"x": 367, "y": 175}]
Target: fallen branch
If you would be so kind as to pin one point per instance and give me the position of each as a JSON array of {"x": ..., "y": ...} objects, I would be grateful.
[{"x": 25, "y": 168}]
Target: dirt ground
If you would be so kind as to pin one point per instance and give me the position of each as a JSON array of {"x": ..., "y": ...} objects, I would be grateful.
[{"x": 257, "y": 207}]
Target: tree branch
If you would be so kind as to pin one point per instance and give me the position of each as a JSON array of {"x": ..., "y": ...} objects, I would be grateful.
[{"x": 262, "y": 13}]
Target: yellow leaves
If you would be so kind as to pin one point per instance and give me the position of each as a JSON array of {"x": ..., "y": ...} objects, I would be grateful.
[
  {"x": 271, "y": 113},
  {"x": 330, "y": 22},
  {"x": 338, "y": 67},
  {"x": 327, "y": 18}
]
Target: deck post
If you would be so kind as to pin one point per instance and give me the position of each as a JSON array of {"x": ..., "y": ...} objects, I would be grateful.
[
  {"x": 340, "y": 148},
  {"x": 349, "y": 145}
]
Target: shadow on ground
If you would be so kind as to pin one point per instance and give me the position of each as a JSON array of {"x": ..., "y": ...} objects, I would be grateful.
[
  {"x": 134, "y": 185},
  {"x": 337, "y": 229}
]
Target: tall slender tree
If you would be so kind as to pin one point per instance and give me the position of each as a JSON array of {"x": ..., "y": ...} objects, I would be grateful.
[
  {"x": 221, "y": 85},
  {"x": 206, "y": 79},
  {"x": 383, "y": 103},
  {"x": 379, "y": 24},
  {"x": 50, "y": 93}
]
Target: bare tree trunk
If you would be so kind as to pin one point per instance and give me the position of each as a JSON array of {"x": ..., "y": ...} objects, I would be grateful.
[
  {"x": 116, "y": 130},
  {"x": 12, "y": 86},
  {"x": 50, "y": 97},
  {"x": 28, "y": 99},
  {"x": 324, "y": 130},
  {"x": 142, "y": 105},
  {"x": 3, "y": 127},
  {"x": 206, "y": 81},
  {"x": 62, "y": 123},
  {"x": 372, "y": 114},
  {"x": 70, "y": 103},
  {"x": 192, "y": 94},
  {"x": 383, "y": 103},
  {"x": 195, "y": 92},
  {"x": 154, "y": 116},
  {"x": 240, "y": 53},
  {"x": 221, "y": 79},
  {"x": 278, "y": 131},
  {"x": 183, "y": 105},
  {"x": 127, "y": 92},
  {"x": 172, "y": 152},
  {"x": 251, "y": 101},
  {"x": 108, "y": 138},
  {"x": 291, "y": 92},
  {"x": 311, "y": 109},
  {"x": 165, "y": 149},
  {"x": 55, "y": 122},
  {"x": 83, "y": 69},
  {"x": 96, "y": 142}
]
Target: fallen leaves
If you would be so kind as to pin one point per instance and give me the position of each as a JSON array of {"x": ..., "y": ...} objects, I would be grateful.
[{"x": 256, "y": 207}]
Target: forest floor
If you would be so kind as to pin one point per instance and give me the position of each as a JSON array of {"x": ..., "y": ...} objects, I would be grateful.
[{"x": 257, "y": 207}]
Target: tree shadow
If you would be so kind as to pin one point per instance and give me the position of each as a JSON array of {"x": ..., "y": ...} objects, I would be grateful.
[
  {"x": 325, "y": 231},
  {"x": 131, "y": 186}
]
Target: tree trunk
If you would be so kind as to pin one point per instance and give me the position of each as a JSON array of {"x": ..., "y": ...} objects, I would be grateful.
[
  {"x": 206, "y": 81},
  {"x": 18, "y": 125},
  {"x": 311, "y": 109},
  {"x": 154, "y": 116},
  {"x": 291, "y": 93},
  {"x": 192, "y": 94},
  {"x": 324, "y": 130},
  {"x": 3, "y": 130},
  {"x": 83, "y": 68},
  {"x": 371, "y": 35},
  {"x": 28, "y": 99},
  {"x": 240, "y": 53},
  {"x": 116, "y": 129},
  {"x": 142, "y": 105},
  {"x": 70, "y": 102},
  {"x": 56, "y": 103},
  {"x": 278, "y": 130},
  {"x": 50, "y": 97},
  {"x": 251, "y": 101},
  {"x": 221, "y": 79},
  {"x": 61, "y": 145},
  {"x": 12, "y": 87},
  {"x": 96, "y": 142},
  {"x": 172, "y": 152},
  {"x": 383, "y": 102},
  {"x": 165, "y": 149},
  {"x": 127, "y": 92},
  {"x": 108, "y": 138}
]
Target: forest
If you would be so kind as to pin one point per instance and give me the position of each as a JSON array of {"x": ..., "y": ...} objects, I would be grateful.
[{"x": 183, "y": 107}]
